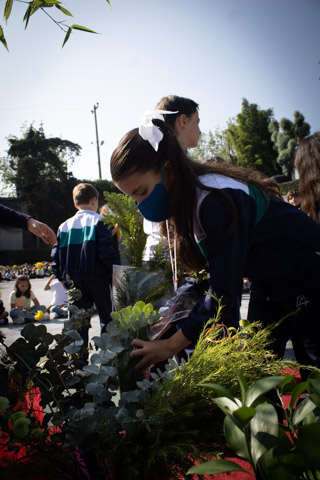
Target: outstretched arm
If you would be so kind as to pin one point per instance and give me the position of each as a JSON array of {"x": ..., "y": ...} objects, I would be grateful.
[{"x": 42, "y": 230}]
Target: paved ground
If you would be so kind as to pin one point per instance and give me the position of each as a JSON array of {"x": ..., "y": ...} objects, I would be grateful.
[{"x": 12, "y": 331}]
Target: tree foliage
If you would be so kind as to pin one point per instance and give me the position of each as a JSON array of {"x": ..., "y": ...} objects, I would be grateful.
[
  {"x": 103, "y": 186},
  {"x": 43, "y": 6},
  {"x": 217, "y": 144},
  {"x": 251, "y": 140},
  {"x": 38, "y": 169},
  {"x": 286, "y": 136}
]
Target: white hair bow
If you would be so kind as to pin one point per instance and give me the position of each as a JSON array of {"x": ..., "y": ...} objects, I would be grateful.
[{"x": 148, "y": 131}]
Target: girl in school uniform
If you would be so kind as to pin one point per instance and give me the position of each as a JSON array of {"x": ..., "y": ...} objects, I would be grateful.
[{"x": 232, "y": 222}]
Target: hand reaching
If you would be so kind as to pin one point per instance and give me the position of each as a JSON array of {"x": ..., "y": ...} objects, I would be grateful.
[{"x": 42, "y": 230}]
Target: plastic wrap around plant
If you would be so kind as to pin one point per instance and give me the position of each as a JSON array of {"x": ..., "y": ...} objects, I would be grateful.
[
  {"x": 176, "y": 309},
  {"x": 131, "y": 284}
]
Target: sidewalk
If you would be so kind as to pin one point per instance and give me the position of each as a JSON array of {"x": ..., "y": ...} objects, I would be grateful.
[{"x": 12, "y": 331}]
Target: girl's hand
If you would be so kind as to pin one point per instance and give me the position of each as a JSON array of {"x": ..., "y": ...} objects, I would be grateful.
[
  {"x": 151, "y": 352},
  {"x": 158, "y": 350}
]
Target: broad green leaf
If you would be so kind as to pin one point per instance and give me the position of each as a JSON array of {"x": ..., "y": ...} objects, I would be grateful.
[
  {"x": 264, "y": 430},
  {"x": 283, "y": 439},
  {"x": 92, "y": 369},
  {"x": 140, "y": 304},
  {"x": 136, "y": 310},
  {"x": 74, "y": 335},
  {"x": 115, "y": 315},
  {"x": 7, "y": 9},
  {"x": 2, "y": 39},
  {"x": 302, "y": 410},
  {"x": 243, "y": 385},
  {"x": 216, "y": 466},
  {"x": 308, "y": 444},
  {"x": 260, "y": 387},
  {"x": 66, "y": 38},
  {"x": 315, "y": 399},
  {"x": 72, "y": 381},
  {"x": 107, "y": 371},
  {"x": 275, "y": 467},
  {"x": 314, "y": 374},
  {"x": 148, "y": 308},
  {"x": 314, "y": 386},
  {"x": 236, "y": 438},
  {"x": 222, "y": 391},
  {"x": 298, "y": 390},
  {"x": 73, "y": 347},
  {"x": 94, "y": 388},
  {"x": 287, "y": 385},
  {"x": 84, "y": 29},
  {"x": 244, "y": 414},
  {"x": 64, "y": 10}
]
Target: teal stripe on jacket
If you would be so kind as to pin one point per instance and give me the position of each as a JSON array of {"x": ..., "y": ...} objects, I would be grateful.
[{"x": 76, "y": 236}]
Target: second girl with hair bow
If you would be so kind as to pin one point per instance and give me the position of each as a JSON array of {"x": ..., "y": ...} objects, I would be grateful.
[{"x": 233, "y": 222}]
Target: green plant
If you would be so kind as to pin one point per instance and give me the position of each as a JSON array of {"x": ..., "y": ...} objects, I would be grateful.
[
  {"x": 130, "y": 221},
  {"x": 153, "y": 428},
  {"x": 135, "y": 284},
  {"x": 275, "y": 451}
]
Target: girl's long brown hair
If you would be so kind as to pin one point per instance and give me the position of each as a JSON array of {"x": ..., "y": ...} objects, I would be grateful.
[
  {"x": 133, "y": 154},
  {"x": 22, "y": 278},
  {"x": 308, "y": 165}
]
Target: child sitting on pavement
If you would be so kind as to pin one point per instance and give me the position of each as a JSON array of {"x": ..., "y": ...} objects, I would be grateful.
[
  {"x": 3, "y": 314},
  {"x": 20, "y": 301},
  {"x": 59, "y": 305}
]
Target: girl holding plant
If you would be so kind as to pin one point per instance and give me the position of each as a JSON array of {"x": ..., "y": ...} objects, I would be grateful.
[{"x": 232, "y": 222}]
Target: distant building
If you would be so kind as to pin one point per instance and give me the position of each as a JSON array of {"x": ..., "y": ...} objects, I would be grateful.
[{"x": 14, "y": 238}]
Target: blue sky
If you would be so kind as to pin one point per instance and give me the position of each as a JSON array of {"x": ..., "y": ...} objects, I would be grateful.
[{"x": 213, "y": 51}]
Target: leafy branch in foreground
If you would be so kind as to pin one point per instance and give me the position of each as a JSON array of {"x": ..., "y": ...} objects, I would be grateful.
[
  {"x": 43, "y": 5},
  {"x": 275, "y": 451},
  {"x": 151, "y": 428}
]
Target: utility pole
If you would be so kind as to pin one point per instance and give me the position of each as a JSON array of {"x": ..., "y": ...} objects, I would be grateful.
[{"x": 94, "y": 111}]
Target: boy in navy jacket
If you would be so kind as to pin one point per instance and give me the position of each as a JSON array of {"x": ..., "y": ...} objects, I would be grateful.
[{"x": 84, "y": 253}]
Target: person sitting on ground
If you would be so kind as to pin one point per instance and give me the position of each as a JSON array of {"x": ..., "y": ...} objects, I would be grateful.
[
  {"x": 3, "y": 314},
  {"x": 59, "y": 304},
  {"x": 20, "y": 301}
]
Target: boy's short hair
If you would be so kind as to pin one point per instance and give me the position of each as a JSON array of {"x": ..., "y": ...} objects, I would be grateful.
[{"x": 83, "y": 193}]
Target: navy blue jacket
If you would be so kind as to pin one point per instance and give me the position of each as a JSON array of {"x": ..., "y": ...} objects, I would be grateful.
[
  {"x": 84, "y": 249},
  {"x": 12, "y": 218},
  {"x": 279, "y": 253}
]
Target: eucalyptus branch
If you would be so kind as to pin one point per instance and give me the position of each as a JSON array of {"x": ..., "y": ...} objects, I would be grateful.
[
  {"x": 42, "y": 383},
  {"x": 56, "y": 369}
]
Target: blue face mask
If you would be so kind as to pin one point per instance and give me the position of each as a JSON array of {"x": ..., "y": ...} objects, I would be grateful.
[{"x": 156, "y": 207}]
